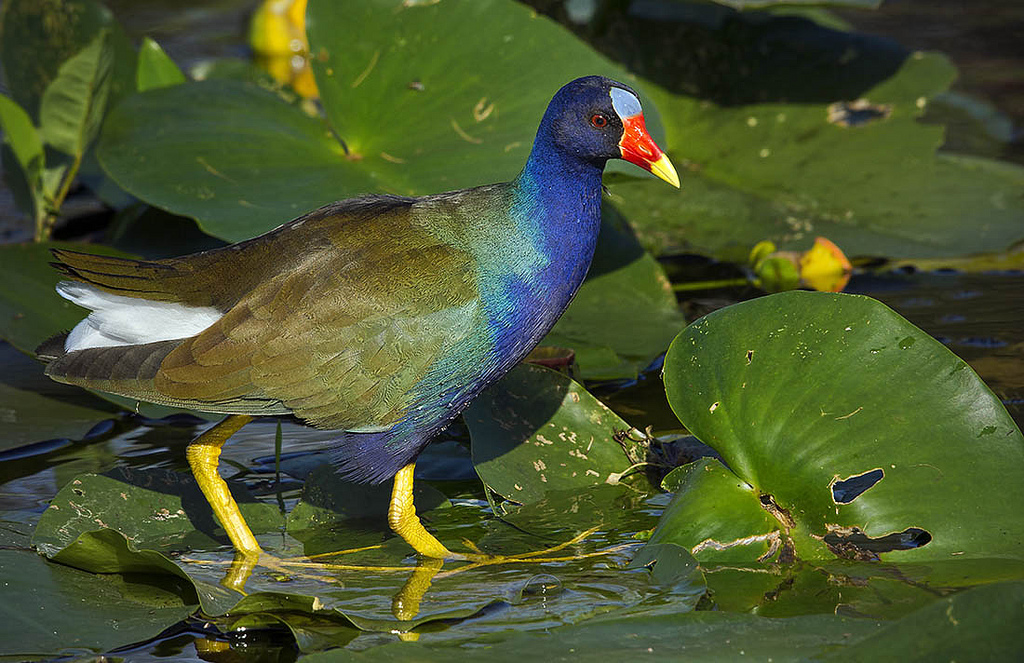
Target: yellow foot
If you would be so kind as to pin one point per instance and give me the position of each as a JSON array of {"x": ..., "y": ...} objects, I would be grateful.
[{"x": 405, "y": 605}]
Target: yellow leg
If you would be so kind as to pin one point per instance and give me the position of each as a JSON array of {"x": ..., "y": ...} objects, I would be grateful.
[
  {"x": 203, "y": 455},
  {"x": 403, "y": 519}
]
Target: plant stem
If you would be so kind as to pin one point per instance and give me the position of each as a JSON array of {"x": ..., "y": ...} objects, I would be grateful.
[
  {"x": 709, "y": 285},
  {"x": 45, "y": 223}
]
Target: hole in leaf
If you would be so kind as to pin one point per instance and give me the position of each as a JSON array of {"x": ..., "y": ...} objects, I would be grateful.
[
  {"x": 771, "y": 506},
  {"x": 852, "y": 543},
  {"x": 850, "y": 488},
  {"x": 857, "y": 113}
]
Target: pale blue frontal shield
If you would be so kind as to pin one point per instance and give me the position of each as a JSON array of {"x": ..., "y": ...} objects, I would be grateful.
[{"x": 625, "y": 102}]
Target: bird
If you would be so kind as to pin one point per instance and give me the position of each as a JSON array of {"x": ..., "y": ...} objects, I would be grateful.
[{"x": 381, "y": 316}]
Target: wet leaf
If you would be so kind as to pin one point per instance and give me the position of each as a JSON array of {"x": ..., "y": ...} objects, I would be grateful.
[
  {"x": 153, "y": 508},
  {"x": 709, "y": 529},
  {"x": 49, "y": 609},
  {"x": 695, "y": 636},
  {"x": 564, "y": 513},
  {"x": 536, "y": 430},
  {"x": 330, "y": 503},
  {"x": 373, "y": 587},
  {"x": 980, "y": 624},
  {"x": 853, "y": 589},
  {"x": 846, "y": 421}
]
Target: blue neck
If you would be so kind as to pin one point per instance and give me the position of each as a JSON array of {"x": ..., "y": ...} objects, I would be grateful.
[
  {"x": 557, "y": 200},
  {"x": 556, "y": 204}
]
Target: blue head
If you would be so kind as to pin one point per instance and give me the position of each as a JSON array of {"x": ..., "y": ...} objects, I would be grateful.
[{"x": 593, "y": 119}]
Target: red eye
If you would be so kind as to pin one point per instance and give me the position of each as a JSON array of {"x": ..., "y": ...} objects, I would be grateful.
[{"x": 599, "y": 121}]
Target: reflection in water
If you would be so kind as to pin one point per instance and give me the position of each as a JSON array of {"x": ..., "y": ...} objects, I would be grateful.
[{"x": 405, "y": 603}]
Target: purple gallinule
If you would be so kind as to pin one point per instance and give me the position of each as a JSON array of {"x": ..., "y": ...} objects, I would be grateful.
[{"x": 381, "y": 317}]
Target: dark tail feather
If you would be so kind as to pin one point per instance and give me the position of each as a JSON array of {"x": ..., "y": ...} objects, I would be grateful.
[
  {"x": 128, "y": 370},
  {"x": 123, "y": 276},
  {"x": 52, "y": 348},
  {"x": 373, "y": 457}
]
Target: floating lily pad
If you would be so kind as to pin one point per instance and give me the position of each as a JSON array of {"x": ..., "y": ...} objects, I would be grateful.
[
  {"x": 695, "y": 636},
  {"x": 330, "y": 504},
  {"x": 858, "y": 433},
  {"x": 979, "y": 624},
  {"x": 35, "y": 408},
  {"x": 536, "y": 430},
  {"x": 373, "y": 587},
  {"x": 50, "y": 611},
  {"x": 404, "y": 115},
  {"x": 708, "y": 530},
  {"x": 860, "y": 170},
  {"x": 157, "y": 509}
]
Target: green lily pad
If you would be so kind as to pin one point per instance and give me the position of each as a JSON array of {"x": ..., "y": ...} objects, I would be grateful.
[
  {"x": 35, "y": 408},
  {"x": 562, "y": 514},
  {"x": 50, "y": 610},
  {"x": 694, "y": 636},
  {"x": 537, "y": 430},
  {"x": 981, "y": 624},
  {"x": 855, "y": 430},
  {"x": 391, "y": 84},
  {"x": 329, "y": 504},
  {"x": 373, "y": 587},
  {"x": 864, "y": 173},
  {"x": 152, "y": 508},
  {"x": 238, "y": 178},
  {"x": 708, "y": 530},
  {"x": 853, "y": 589},
  {"x": 411, "y": 121}
]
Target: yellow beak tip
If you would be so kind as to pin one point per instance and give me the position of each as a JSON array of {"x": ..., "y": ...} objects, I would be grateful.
[{"x": 664, "y": 169}]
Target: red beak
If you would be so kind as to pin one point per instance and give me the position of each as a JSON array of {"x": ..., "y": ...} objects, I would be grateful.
[{"x": 639, "y": 148}]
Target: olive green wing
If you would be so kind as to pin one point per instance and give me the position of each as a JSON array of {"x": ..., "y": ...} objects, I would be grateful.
[
  {"x": 338, "y": 345},
  {"x": 332, "y": 317}
]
